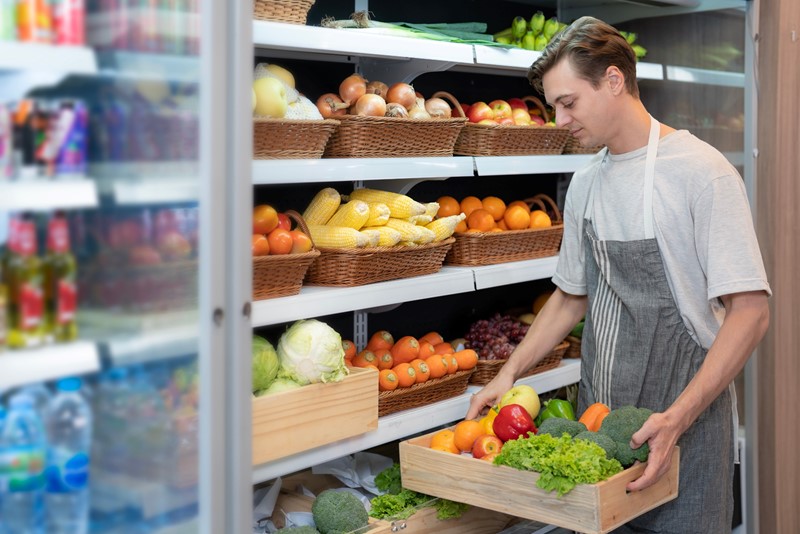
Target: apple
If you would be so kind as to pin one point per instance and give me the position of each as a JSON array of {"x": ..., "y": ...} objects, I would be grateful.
[
  {"x": 480, "y": 111},
  {"x": 489, "y": 457},
  {"x": 282, "y": 74},
  {"x": 537, "y": 119},
  {"x": 520, "y": 117},
  {"x": 465, "y": 108},
  {"x": 271, "y": 99},
  {"x": 486, "y": 444},
  {"x": 523, "y": 395},
  {"x": 506, "y": 120},
  {"x": 518, "y": 103},
  {"x": 488, "y": 121},
  {"x": 501, "y": 108}
]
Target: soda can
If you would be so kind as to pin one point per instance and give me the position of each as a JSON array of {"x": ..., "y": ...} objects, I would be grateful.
[
  {"x": 35, "y": 21},
  {"x": 70, "y": 22},
  {"x": 68, "y": 140}
]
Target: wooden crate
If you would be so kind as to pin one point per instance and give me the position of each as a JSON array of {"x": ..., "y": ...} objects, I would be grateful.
[
  {"x": 293, "y": 502},
  {"x": 317, "y": 414},
  {"x": 591, "y": 508}
]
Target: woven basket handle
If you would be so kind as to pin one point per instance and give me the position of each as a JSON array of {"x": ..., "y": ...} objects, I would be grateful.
[
  {"x": 543, "y": 201},
  {"x": 538, "y": 103},
  {"x": 301, "y": 222},
  {"x": 453, "y": 100}
]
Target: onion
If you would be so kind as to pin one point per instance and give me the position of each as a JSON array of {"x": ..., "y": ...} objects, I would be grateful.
[
  {"x": 418, "y": 111},
  {"x": 371, "y": 105},
  {"x": 378, "y": 88},
  {"x": 352, "y": 88},
  {"x": 403, "y": 94},
  {"x": 330, "y": 104},
  {"x": 438, "y": 108},
  {"x": 394, "y": 109}
]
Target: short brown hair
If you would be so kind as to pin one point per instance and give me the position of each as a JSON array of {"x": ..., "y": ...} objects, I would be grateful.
[{"x": 591, "y": 46}]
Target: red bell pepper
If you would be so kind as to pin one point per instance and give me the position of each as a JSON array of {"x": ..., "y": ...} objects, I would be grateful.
[{"x": 513, "y": 421}]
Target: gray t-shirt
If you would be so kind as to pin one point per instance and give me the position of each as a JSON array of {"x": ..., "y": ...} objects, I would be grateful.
[{"x": 702, "y": 222}]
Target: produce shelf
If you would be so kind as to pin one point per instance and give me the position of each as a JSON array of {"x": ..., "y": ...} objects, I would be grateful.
[
  {"x": 49, "y": 58},
  {"x": 503, "y": 274},
  {"x": 20, "y": 367},
  {"x": 505, "y": 165},
  {"x": 704, "y": 76},
  {"x": 402, "y": 424},
  {"x": 47, "y": 195}
]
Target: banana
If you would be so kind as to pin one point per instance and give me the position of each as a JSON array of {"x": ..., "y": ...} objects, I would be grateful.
[
  {"x": 528, "y": 40},
  {"x": 537, "y": 23},
  {"x": 518, "y": 27},
  {"x": 550, "y": 28}
]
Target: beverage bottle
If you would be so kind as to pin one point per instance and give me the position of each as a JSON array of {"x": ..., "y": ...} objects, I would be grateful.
[
  {"x": 70, "y": 22},
  {"x": 35, "y": 21},
  {"x": 69, "y": 433},
  {"x": 60, "y": 288},
  {"x": 110, "y": 406},
  {"x": 22, "y": 461},
  {"x": 41, "y": 397},
  {"x": 8, "y": 20},
  {"x": 23, "y": 275},
  {"x": 6, "y": 134},
  {"x": 3, "y": 308}
]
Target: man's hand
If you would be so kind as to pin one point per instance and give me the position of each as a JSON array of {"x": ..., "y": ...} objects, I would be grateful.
[
  {"x": 490, "y": 395},
  {"x": 661, "y": 434}
]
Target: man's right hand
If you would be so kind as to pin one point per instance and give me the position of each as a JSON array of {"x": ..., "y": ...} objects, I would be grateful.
[{"x": 490, "y": 395}]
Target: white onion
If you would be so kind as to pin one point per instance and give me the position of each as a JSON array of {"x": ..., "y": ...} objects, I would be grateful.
[
  {"x": 418, "y": 110},
  {"x": 394, "y": 109}
]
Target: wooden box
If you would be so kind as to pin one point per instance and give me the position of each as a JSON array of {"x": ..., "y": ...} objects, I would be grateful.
[
  {"x": 590, "y": 508},
  {"x": 317, "y": 414},
  {"x": 293, "y": 502}
]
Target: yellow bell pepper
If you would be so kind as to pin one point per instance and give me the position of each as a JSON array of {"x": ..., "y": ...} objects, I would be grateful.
[{"x": 487, "y": 420}]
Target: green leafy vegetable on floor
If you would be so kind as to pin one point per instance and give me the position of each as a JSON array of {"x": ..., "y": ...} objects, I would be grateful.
[{"x": 400, "y": 503}]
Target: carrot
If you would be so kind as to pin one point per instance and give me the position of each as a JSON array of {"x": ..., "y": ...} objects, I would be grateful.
[{"x": 593, "y": 416}]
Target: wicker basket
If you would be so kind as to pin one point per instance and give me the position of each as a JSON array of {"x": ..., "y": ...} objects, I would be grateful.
[
  {"x": 506, "y": 139},
  {"x": 487, "y": 369},
  {"x": 291, "y": 11},
  {"x": 489, "y": 248},
  {"x": 291, "y": 139},
  {"x": 573, "y": 146},
  {"x": 428, "y": 392},
  {"x": 282, "y": 275},
  {"x": 393, "y": 137},
  {"x": 359, "y": 266},
  {"x": 574, "y": 350}
]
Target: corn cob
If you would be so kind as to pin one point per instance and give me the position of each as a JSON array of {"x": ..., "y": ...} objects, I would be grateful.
[
  {"x": 322, "y": 206},
  {"x": 373, "y": 236},
  {"x": 446, "y": 226},
  {"x": 401, "y": 206},
  {"x": 378, "y": 214},
  {"x": 389, "y": 237},
  {"x": 410, "y": 231},
  {"x": 325, "y": 236},
  {"x": 353, "y": 215},
  {"x": 432, "y": 208},
  {"x": 420, "y": 220}
]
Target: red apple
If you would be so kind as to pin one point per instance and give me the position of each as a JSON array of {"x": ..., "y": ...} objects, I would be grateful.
[
  {"x": 518, "y": 103},
  {"x": 486, "y": 444},
  {"x": 487, "y": 121},
  {"x": 501, "y": 108},
  {"x": 489, "y": 457},
  {"x": 284, "y": 221},
  {"x": 536, "y": 119},
  {"x": 520, "y": 117},
  {"x": 480, "y": 111},
  {"x": 506, "y": 121},
  {"x": 465, "y": 108}
]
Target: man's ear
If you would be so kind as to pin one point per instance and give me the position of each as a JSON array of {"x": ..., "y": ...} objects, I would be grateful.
[{"x": 615, "y": 80}]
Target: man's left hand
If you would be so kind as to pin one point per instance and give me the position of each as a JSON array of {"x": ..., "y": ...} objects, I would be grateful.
[{"x": 662, "y": 435}]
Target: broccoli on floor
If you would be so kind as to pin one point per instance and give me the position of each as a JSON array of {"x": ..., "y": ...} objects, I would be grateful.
[
  {"x": 622, "y": 423},
  {"x": 556, "y": 426},
  {"x": 338, "y": 511}
]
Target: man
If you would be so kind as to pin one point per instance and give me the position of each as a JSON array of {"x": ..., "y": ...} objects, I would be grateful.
[{"x": 660, "y": 254}]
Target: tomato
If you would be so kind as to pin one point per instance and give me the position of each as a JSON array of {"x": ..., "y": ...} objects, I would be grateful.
[
  {"x": 300, "y": 242},
  {"x": 284, "y": 221},
  {"x": 265, "y": 219},
  {"x": 260, "y": 245},
  {"x": 280, "y": 241}
]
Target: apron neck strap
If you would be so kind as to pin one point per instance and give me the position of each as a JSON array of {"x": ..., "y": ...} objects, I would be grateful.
[{"x": 649, "y": 178}]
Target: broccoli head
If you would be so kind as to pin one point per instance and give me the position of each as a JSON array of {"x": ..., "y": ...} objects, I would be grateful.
[
  {"x": 298, "y": 530},
  {"x": 338, "y": 511},
  {"x": 557, "y": 426},
  {"x": 604, "y": 441},
  {"x": 620, "y": 425}
]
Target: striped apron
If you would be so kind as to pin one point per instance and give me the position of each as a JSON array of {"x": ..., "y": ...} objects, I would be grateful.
[{"x": 637, "y": 351}]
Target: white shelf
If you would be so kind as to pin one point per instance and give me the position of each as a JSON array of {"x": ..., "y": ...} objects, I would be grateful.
[
  {"x": 408, "y": 422},
  {"x": 154, "y": 345},
  {"x": 704, "y": 76},
  {"x": 46, "y": 195},
  {"x": 295, "y": 171},
  {"x": 505, "y": 165},
  {"x": 154, "y": 67},
  {"x": 19, "y": 367},
  {"x": 514, "y": 59},
  {"x": 315, "y": 301},
  {"x": 59, "y": 59},
  {"x": 132, "y": 184},
  {"x": 504, "y": 274}
]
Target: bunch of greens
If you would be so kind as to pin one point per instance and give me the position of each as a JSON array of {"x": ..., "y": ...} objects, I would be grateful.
[
  {"x": 400, "y": 503},
  {"x": 561, "y": 462}
]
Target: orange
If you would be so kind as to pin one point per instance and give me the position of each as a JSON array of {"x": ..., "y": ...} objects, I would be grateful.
[
  {"x": 466, "y": 359},
  {"x": 444, "y": 440},
  {"x": 265, "y": 219},
  {"x": 364, "y": 358},
  {"x": 461, "y": 226},
  {"x": 421, "y": 369},
  {"x": 540, "y": 219},
  {"x": 517, "y": 218},
  {"x": 280, "y": 241},
  {"x": 495, "y": 206},
  {"x": 470, "y": 204},
  {"x": 383, "y": 359},
  {"x": 465, "y": 434},
  {"x": 521, "y": 204},
  {"x": 260, "y": 245},
  {"x": 349, "y": 349},
  {"x": 405, "y": 349},
  {"x": 387, "y": 380},
  {"x": 406, "y": 375},
  {"x": 437, "y": 366},
  {"x": 480, "y": 220},
  {"x": 434, "y": 338},
  {"x": 448, "y": 206},
  {"x": 380, "y": 340}
]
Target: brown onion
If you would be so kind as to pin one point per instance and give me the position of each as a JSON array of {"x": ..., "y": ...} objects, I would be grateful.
[
  {"x": 394, "y": 109},
  {"x": 403, "y": 94},
  {"x": 370, "y": 105},
  {"x": 330, "y": 104},
  {"x": 418, "y": 110},
  {"x": 438, "y": 108},
  {"x": 378, "y": 88},
  {"x": 352, "y": 88}
]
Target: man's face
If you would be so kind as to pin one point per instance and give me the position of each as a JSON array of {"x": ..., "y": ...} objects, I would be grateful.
[{"x": 579, "y": 106}]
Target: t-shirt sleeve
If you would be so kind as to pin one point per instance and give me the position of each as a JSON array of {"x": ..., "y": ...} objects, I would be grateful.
[
  {"x": 570, "y": 275},
  {"x": 726, "y": 241}
]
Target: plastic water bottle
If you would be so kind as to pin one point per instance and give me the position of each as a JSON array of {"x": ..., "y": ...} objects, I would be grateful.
[
  {"x": 69, "y": 430},
  {"x": 22, "y": 457},
  {"x": 41, "y": 398}
]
